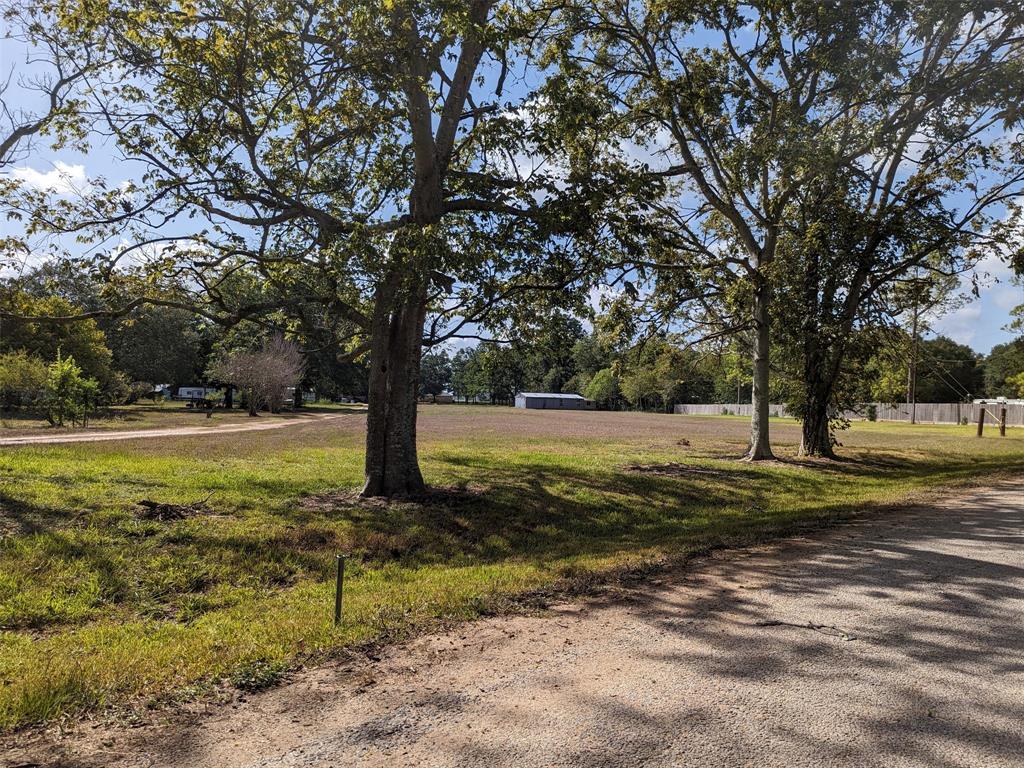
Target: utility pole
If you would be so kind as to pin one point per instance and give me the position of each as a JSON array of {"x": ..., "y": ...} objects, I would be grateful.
[
  {"x": 912, "y": 365},
  {"x": 912, "y": 369}
]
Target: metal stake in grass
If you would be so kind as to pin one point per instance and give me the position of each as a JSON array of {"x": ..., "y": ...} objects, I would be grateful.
[{"x": 339, "y": 589}]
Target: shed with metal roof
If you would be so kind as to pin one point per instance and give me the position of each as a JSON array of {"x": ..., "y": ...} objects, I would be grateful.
[{"x": 553, "y": 401}]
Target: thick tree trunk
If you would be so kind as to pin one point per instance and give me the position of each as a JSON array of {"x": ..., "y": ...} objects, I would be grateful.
[
  {"x": 815, "y": 435},
  {"x": 229, "y": 397},
  {"x": 392, "y": 466},
  {"x": 297, "y": 397},
  {"x": 760, "y": 446},
  {"x": 819, "y": 377}
]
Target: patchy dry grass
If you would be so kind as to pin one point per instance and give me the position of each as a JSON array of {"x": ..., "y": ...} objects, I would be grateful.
[
  {"x": 143, "y": 415},
  {"x": 103, "y": 601},
  {"x": 146, "y": 415}
]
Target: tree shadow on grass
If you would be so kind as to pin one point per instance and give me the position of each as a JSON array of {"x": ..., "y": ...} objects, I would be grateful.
[
  {"x": 541, "y": 512},
  {"x": 19, "y": 517}
]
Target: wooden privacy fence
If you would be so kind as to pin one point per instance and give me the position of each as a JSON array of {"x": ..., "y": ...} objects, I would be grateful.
[{"x": 927, "y": 413}]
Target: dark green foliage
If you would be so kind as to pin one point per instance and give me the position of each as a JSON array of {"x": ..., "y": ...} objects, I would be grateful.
[{"x": 1004, "y": 362}]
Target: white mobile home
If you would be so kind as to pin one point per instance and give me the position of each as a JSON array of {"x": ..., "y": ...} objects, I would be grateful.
[
  {"x": 553, "y": 401},
  {"x": 196, "y": 393}
]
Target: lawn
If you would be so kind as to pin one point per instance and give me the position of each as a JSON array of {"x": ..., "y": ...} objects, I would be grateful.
[{"x": 104, "y": 602}]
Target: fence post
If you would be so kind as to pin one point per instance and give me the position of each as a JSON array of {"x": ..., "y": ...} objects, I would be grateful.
[
  {"x": 1002, "y": 421},
  {"x": 339, "y": 587},
  {"x": 981, "y": 419}
]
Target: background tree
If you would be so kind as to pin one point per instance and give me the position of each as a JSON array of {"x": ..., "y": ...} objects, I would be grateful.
[
  {"x": 760, "y": 107},
  {"x": 159, "y": 345},
  {"x": 466, "y": 375},
  {"x": 81, "y": 340},
  {"x": 948, "y": 372},
  {"x": 22, "y": 379},
  {"x": 1004, "y": 362},
  {"x": 1017, "y": 381},
  {"x": 604, "y": 389},
  {"x": 264, "y": 375},
  {"x": 435, "y": 373}
]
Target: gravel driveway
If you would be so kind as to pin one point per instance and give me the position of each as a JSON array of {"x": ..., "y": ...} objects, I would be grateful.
[{"x": 892, "y": 641}]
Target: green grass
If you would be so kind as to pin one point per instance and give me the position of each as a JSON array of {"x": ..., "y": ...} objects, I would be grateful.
[{"x": 99, "y": 606}]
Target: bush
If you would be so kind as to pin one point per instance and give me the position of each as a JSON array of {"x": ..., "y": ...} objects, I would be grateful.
[
  {"x": 69, "y": 395},
  {"x": 138, "y": 390},
  {"x": 872, "y": 412}
]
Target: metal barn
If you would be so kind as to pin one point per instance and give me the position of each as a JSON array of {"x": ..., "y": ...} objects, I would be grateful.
[{"x": 553, "y": 401}]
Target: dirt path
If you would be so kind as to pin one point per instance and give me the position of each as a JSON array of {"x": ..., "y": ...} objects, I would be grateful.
[
  {"x": 140, "y": 434},
  {"x": 895, "y": 641}
]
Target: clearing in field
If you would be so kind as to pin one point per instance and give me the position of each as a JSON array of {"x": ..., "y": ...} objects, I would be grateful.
[{"x": 225, "y": 574}]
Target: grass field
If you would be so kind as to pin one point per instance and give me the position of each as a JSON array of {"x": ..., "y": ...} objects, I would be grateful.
[{"x": 104, "y": 602}]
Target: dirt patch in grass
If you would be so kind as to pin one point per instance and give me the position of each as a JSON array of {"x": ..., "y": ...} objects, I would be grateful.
[{"x": 160, "y": 511}]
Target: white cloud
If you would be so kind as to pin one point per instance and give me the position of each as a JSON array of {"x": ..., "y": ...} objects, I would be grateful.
[
  {"x": 960, "y": 325},
  {"x": 1008, "y": 297},
  {"x": 63, "y": 179},
  {"x": 993, "y": 269}
]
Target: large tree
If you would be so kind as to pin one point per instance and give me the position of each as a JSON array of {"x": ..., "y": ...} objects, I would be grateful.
[
  {"x": 754, "y": 106},
  {"x": 361, "y": 157}
]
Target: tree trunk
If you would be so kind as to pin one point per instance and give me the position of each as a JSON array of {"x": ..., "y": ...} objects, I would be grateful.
[
  {"x": 819, "y": 377},
  {"x": 760, "y": 447},
  {"x": 249, "y": 396},
  {"x": 815, "y": 436},
  {"x": 821, "y": 370},
  {"x": 229, "y": 397},
  {"x": 297, "y": 397},
  {"x": 392, "y": 466}
]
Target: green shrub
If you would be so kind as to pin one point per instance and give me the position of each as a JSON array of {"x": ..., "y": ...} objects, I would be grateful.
[{"x": 69, "y": 395}]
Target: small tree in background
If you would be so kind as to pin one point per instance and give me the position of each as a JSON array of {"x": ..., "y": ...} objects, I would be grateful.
[
  {"x": 265, "y": 375},
  {"x": 69, "y": 395},
  {"x": 1018, "y": 382},
  {"x": 435, "y": 373},
  {"x": 603, "y": 388}
]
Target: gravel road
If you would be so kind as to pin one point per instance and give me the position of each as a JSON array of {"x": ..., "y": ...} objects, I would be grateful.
[{"x": 891, "y": 641}]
